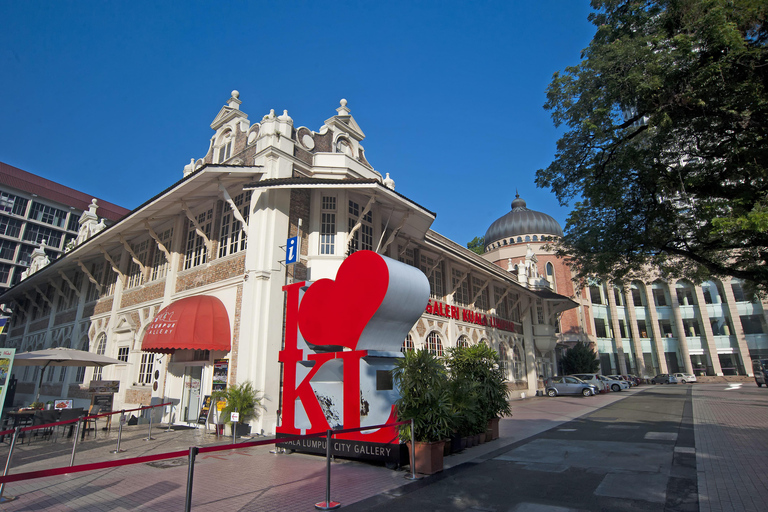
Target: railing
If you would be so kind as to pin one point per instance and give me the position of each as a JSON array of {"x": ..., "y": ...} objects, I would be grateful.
[{"x": 191, "y": 454}]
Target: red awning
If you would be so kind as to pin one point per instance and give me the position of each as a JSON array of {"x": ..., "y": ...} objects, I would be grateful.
[{"x": 194, "y": 323}]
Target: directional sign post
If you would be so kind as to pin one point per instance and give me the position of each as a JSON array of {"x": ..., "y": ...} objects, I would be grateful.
[{"x": 292, "y": 250}]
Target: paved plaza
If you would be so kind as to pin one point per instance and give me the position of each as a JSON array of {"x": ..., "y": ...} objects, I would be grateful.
[{"x": 730, "y": 457}]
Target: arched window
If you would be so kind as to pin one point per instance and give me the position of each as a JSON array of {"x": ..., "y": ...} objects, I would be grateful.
[
  {"x": 407, "y": 345},
  {"x": 462, "y": 342},
  {"x": 519, "y": 239},
  {"x": 550, "y": 269},
  {"x": 535, "y": 238},
  {"x": 527, "y": 238},
  {"x": 503, "y": 363},
  {"x": 224, "y": 147},
  {"x": 434, "y": 345},
  {"x": 101, "y": 348},
  {"x": 518, "y": 363}
]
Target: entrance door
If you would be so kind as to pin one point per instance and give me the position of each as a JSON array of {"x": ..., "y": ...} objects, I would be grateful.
[{"x": 190, "y": 401}]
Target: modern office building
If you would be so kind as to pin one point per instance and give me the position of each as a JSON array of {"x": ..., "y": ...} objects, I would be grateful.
[
  {"x": 643, "y": 328},
  {"x": 209, "y": 254},
  {"x": 34, "y": 209}
]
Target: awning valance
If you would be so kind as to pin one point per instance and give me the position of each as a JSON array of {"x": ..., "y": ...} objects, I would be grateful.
[{"x": 194, "y": 323}]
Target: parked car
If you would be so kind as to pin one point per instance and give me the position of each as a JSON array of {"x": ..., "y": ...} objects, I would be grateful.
[
  {"x": 634, "y": 378},
  {"x": 622, "y": 377},
  {"x": 664, "y": 378},
  {"x": 614, "y": 384},
  {"x": 760, "y": 370},
  {"x": 568, "y": 385},
  {"x": 685, "y": 377},
  {"x": 592, "y": 378}
]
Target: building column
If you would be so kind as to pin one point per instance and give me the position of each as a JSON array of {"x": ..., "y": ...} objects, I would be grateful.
[
  {"x": 613, "y": 311},
  {"x": 741, "y": 340},
  {"x": 654, "y": 321},
  {"x": 634, "y": 331},
  {"x": 682, "y": 340},
  {"x": 706, "y": 328},
  {"x": 527, "y": 306}
]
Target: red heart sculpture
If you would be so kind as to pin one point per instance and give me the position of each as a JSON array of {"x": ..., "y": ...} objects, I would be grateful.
[{"x": 336, "y": 312}]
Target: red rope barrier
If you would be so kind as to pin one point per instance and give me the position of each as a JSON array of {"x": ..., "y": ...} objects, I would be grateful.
[
  {"x": 95, "y": 416},
  {"x": 29, "y": 475}
]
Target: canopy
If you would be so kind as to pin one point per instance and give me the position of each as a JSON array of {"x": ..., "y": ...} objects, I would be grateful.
[
  {"x": 194, "y": 323},
  {"x": 61, "y": 356}
]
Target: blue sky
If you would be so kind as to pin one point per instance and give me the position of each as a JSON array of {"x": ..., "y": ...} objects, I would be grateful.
[{"x": 114, "y": 98}]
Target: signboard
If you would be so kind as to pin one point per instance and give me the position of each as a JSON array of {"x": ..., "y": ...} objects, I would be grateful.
[
  {"x": 205, "y": 408},
  {"x": 62, "y": 404},
  {"x": 104, "y": 401},
  {"x": 374, "y": 452},
  {"x": 220, "y": 374},
  {"x": 104, "y": 386},
  {"x": 292, "y": 250},
  {"x": 6, "y": 366},
  {"x": 234, "y": 416}
]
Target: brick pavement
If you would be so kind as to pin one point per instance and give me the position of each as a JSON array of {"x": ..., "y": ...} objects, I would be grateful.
[
  {"x": 242, "y": 479},
  {"x": 731, "y": 446}
]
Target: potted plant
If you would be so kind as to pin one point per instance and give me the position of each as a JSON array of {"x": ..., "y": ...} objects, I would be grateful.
[
  {"x": 242, "y": 398},
  {"x": 479, "y": 364},
  {"x": 424, "y": 397}
]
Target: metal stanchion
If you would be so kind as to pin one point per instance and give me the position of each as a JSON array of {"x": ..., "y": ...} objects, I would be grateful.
[
  {"x": 170, "y": 417},
  {"x": 413, "y": 476},
  {"x": 149, "y": 435},
  {"x": 74, "y": 443},
  {"x": 190, "y": 477},
  {"x": 119, "y": 432},
  {"x": 6, "y": 499},
  {"x": 328, "y": 504}
]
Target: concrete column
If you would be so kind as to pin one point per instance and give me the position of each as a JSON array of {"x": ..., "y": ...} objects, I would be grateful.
[
  {"x": 682, "y": 340},
  {"x": 614, "y": 314},
  {"x": 746, "y": 359},
  {"x": 527, "y": 308},
  {"x": 656, "y": 332},
  {"x": 706, "y": 328},
  {"x": 634, "y": 331}
]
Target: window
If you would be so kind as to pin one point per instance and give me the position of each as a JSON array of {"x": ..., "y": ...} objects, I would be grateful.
[
  {"x": 407, "y": 345},
  {"x": 122, "y": 354},
  {"x": 135, "y": 276},
  {"x": 5, "y": 271},
  {"x": 362, "y": 239},
  {"x": 201, "y": 355},
  {"x": 461, "y": 286},
  {"x": 101, "y": 348},
  {"x": 10, "y": 227},
  {"x": 36, "y": 234},
  {"x": 503, "y": 363},
  {"x": 13, "y": 204},
  {"x": 7, "y": 250},
  {"x": 637, "y": 297},
  {"x": 617, "y": 296},
  {"x": 80, "y": 375},
  {"x": 74, "y": 223},
  {"x": 434, "y": 272},
  {"x": 197, "y": 252},
  {"x": 594, "y": 294},
  {"x": 659, "y": 297},
  {"x": 517, "y": 361},
  {"x": 407, "y": 256},
  {"x": 462, "y": 342},
  {"x": 502, "y": 309},
  {"x": 62, "y": 374},
  {"x": 49, "y": 373},
  {"x": 752, "y": 324},
  {"x": 665, "y": 326},
  {"x": 434, "y": 345},
  {"x": 691, "y": 327},
  {"x": 97, "y": 271},
  {"x": 483, "y": 300},
  {"x": 738, "y": 292},
  {"x": 224, "y": 147},
  {"x": 70, "y": 298},
  {"x": 232, "y": 239},
  {"x": 642, "y": 328},
  {"x": 684, "y": 296},
  {"x": 160, "y": 262},
  {"x": 47, "y": 214},
  {"x": 328, "y": 226},
  {"x": 600, "y": 329},
  {"x": 146, "y": 368}
]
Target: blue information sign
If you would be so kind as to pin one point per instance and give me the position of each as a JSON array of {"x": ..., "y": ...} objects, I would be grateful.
[{"x": 292, "y": 250}]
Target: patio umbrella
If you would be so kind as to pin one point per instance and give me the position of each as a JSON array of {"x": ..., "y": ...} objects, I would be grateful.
[{"x": 60, "y": 356}]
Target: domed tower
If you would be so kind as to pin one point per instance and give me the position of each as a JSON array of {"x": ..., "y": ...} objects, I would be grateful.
[{"x": 518, "y": 241}]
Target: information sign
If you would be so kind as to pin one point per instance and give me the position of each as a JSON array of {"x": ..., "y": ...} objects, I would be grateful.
[
  {"x": 234, "y": 416},
  {"x": 292, "y": 250}
]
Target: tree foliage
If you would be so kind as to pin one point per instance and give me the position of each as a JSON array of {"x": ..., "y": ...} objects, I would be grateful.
[
  {"x": 477, "y": 245},
  {"x": 666, "y": 141},
  {"x": 580, "y": 359}
]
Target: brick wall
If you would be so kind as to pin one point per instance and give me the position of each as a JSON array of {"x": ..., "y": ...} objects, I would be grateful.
[
  {"x": 65, "y": 317},
  {"x": 102, "y": 306},
  {"x": 300, "y": 208},
  {"x": 138, "y": 396},
  {"x": 217, "y": 270},
  {"x": 143, "y": 293},
  {"x": 38, "y": 325},
  {"x": 233, "y": 353}
]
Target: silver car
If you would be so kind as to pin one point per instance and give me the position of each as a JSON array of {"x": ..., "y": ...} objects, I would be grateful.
[
  {"x": 568, "y": 386},
  {"x": 664, "y": 378}
]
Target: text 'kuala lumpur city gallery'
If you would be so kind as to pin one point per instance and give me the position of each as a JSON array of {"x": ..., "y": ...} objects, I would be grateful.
[{"x": 215, "y": 241}]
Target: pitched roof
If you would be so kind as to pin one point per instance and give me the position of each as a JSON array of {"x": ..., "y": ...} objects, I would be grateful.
[{"x": 14, "y": 177}]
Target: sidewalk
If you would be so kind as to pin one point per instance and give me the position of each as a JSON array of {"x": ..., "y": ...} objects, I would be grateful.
[{"x": 241, "y": 479}]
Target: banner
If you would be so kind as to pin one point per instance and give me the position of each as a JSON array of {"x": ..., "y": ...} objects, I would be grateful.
[{"x": 6, "y": 366}]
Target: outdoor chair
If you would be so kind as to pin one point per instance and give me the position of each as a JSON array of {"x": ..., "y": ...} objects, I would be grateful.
[
  {"x": 70, "y": 414},
  {"x": 40, "y": 418},
  {"x": 90, "y": 424}
]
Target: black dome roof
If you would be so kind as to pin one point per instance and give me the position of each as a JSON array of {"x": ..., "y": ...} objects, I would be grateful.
[{"x": 522, "y": 221}]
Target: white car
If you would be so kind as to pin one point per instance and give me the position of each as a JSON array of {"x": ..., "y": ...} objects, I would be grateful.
[
  {"x": 593, "y": 378},
  {"x": 614, "y": 384},
  {"x": 685, "y": 377}
]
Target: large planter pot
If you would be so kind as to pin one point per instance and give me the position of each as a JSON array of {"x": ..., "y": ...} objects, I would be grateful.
[
  {"x": 429, "y": 457},
  {"x": 243, "y": 429},
  {"x": 481, "y": 438},
  {"x": 458, "y": 443},
  {"x": 493, "y": 426}
]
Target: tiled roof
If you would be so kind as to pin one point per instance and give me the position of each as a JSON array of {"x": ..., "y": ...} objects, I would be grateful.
[{"x": 31, "y": 183}]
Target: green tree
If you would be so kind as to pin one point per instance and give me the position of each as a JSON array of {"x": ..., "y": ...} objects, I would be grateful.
[
  {"x": 580, "y": 359},
  {"x": 666, "y": 141},
  {"x": 477, "y": 245}
]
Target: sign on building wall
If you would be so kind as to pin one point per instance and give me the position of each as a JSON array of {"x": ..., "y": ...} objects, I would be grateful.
[
  {"x": 292, "y": 250},
  {"x": 339, "y": 336},
  {"x": 6, "y": 367}
]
